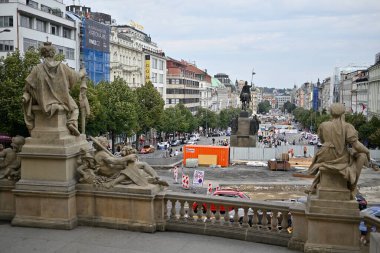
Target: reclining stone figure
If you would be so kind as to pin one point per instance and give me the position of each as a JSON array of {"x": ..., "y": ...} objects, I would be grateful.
[{"x": 108, "y": 170}]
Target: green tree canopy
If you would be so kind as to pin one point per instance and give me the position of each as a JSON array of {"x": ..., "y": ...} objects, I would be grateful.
[
  {"x": 264, "y": 107},
  {"x": 118, "y": 108},
  {"x": 150, "y": 107},
  {"x": 13, "y": 71},
  {"x": 226, "y": 116}
]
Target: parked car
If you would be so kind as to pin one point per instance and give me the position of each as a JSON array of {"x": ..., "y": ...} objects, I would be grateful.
[
  {"x": 222, "y": 193},
  {"x": 147, "y": 149},
  {"x": 175, "y": 143},
  {"x": 191, "y": 142},
  {"x": 314, "y": 140},
  {"x": 194, "y": 137},
  {"x": 163, "y": 145},
  {"x": 215, "y": 134}
]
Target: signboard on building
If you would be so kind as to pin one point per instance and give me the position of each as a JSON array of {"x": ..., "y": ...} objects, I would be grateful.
[
  {"x": 97, "y": 36},
  {"x": 147, "y": 68}
]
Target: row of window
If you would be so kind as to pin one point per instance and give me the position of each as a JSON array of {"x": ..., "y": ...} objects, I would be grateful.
[
  {"x": 69, "y": 53},
  {"x": 183, "y": 81},
  {"x": 6, "y": 45},
  {"x": 182, "y": 101},
  {"x": 6, "y": 21},
  {"x": 181, "y": 91},
  {"x": 43, "y": 26}
]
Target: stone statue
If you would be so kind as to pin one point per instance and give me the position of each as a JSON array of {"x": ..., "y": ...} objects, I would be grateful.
[
  {"x": 245, "y": 96},
  {"x": 48, "y": 86},
  {"x": 254, "y": 125},
  {"x": 10, "y": 163},
  {"x": 104, "y": 169},
  {"x": 335, "y": 136}
]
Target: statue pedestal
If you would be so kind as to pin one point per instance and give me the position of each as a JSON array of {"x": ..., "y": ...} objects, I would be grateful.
[
  {"x": 45, "y": 194},
  {"x": 243, "y": 138},
  {"x": 332, "y": 218},
  {"x": 128, "y": 207}
]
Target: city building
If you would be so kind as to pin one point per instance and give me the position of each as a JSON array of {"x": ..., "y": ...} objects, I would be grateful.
[
  {"x": 153, "y": 58},
  {"x": 374, "y": 88},
  {"x": 359, "y": 93},
  {"x": 182, "y": 85},
  {"x": 126, "y": 60},
  {"x": 26, "y": 23},
  {"x": 94, "y": 44},
  {"x": 346, "y": 87},
  {"x": 281, "y": 100},
  {"x": 228, "y": 88},
  {"x": 325, "y": 94}
]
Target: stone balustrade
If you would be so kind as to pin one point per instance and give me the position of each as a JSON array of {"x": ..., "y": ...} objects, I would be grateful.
[{"x": 244, "y": 221}]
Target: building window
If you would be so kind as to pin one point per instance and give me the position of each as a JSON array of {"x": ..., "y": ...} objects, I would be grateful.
[
  {"x": 161, "y": 78},
  {"x": 54, "y": 29},
  {"x": 26, "y": 22},
  {"x": 32, "y": 4},
  {"x": 160, "y": 64},
  {"x": 154, "y": 63},
  {"x": 6, "y": 21},
  {"x": 66, "y": 33},
  {"x": 6, "y": 45},
  {"x": 154, "y": 77},
  {"x": 41, "y": 26}
]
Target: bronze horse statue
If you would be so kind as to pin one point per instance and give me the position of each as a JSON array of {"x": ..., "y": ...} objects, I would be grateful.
[{"x": 245, "y": 96}]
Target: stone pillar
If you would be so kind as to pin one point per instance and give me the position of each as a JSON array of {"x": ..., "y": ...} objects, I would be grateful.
[
  {"x": 243, "y": 138},
  {"x": 45, "y": 194},
  {"x": 332, "y": 217}
]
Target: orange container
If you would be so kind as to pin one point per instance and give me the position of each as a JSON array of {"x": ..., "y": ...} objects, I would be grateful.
[{"x": 222, "y": 152}]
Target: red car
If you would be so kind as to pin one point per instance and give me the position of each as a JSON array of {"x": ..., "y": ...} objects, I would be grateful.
[{"x": 222, "y": 193}]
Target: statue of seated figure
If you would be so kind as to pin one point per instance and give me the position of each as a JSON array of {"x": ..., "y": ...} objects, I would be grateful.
[
  {"x": 336, "y": 136},
  {"x": 10, "y": 163}
]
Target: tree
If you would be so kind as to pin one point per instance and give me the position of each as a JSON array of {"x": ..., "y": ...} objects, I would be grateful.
[
  {"x": 264, "y": 107},
  {"x": 13, "y": 71},
  {"x": 288, "y": 107},
  {"x": 118, "y": 108},
  {"x": 226, "y": 116},
  {"x": 207, "y": 118},
  {"x": 150, "y": 107}
]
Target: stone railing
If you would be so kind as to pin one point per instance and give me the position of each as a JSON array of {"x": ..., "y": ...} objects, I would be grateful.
[{"x": 245, "y": 221}]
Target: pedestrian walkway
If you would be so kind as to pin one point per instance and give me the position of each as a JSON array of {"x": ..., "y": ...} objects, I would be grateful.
[{"x": 102, "y": 240}]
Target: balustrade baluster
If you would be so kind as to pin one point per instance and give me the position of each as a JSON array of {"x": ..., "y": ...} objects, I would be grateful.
[
  {"x": 217, "y": 214},
  {"x": 284, "y": 222},
  {"x": 255, "y": 219},
  {"x": 190, "y": 211},
  {"x": 264, "y": 220},
  {"x": 182, "y": 210},
  {"x": 199, "y": 212},
  {"x": 208, "y": 213},
  {"x": 226, "y": 216},
  {"x": 166, "y": 210},
  {"x": 274, "y": 221},
  {"x": 173, "y": 211},
  {"x": 236, "y": 217},
  {"x": 245, "y": 217}
]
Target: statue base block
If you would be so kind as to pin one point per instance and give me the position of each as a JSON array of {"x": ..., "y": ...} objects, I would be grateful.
[
  {"x": 243, "y": 140},
  {"x": 7, "y": 203},
  {"x": 45, "y": 204},
  {"x": 332, "y": 218},
  {"x": 128, "y": 207}
]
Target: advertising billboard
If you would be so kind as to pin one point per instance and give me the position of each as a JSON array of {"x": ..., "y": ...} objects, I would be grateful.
[
  {"x": 147, "y": 68},
  {"x": 97, "y": 36}
]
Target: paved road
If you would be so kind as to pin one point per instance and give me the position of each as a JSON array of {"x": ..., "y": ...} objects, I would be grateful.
[{"x": 102, "y": 240}]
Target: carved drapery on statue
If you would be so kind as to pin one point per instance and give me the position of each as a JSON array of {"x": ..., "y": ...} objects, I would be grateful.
[
  {"x": 335, "y": 136},
  {"x": 48, "y": 86},
  {"x": 104, "y": 169}
]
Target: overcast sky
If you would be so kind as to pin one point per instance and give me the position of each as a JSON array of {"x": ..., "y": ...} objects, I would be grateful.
[{"x": 287, "y": 42}]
